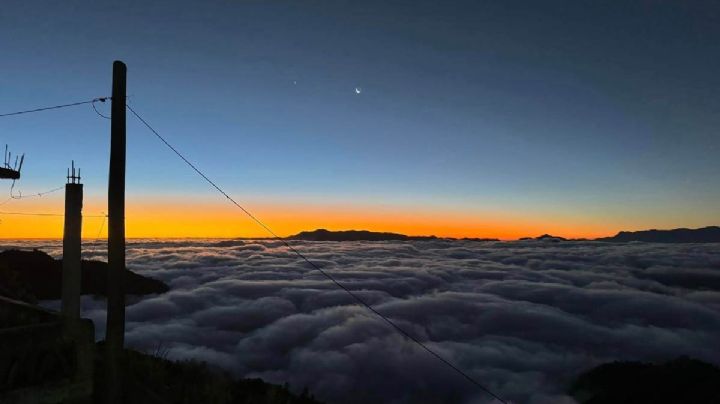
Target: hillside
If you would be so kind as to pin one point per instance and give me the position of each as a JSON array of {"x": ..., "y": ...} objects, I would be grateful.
[
  {"x": 154, "y": 379},
  {"x": 682, "y": 380},
  {"x": 34, "y": 275},
  {"x": 710, "y": 234}
]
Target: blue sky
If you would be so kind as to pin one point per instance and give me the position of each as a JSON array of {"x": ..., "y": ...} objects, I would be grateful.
[{"x": 606, "y": 110}]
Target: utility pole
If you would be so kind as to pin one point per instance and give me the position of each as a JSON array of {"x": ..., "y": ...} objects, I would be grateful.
[
  {"x": 72, "y": 280},
  {"x": 115, "y": 329},
  {"x": 71, "y": 274}
]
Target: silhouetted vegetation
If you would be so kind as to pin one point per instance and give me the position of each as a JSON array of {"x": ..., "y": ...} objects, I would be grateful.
[
  {"x": 681, "y": 380},
  {"x": 154, "y": 379},
  {"x": 34, "y": 275}
]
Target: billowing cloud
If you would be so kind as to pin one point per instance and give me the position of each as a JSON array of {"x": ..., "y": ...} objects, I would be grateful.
[{"x": 523, "y": 318}]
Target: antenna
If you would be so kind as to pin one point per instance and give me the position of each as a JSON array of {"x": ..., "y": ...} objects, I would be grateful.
[
  {"x": 71, "y": 177},
  {"x": 6, "y": 170}
]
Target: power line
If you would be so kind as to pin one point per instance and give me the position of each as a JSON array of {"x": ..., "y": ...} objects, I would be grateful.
[
  {"x": 101, "y": 99},
  {"x": 35, "y": 195},
  {"x": 102, "y": 225},
  {"x": 98, "y": 112},
  {"x": 312, "y": 264},
  {"x": 31, "y": 214},
  {"x": 45, "y": 214}
]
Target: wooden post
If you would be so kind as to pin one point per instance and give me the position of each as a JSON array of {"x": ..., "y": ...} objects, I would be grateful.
[
  {"x": 115, "y": 331},
  {"x": 71, "y": 248}
]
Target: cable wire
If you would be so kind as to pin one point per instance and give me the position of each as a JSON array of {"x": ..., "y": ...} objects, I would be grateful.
[
  {"x": 43, "y": 214},
  {"x": 31, "y": 214},
  {"x": 101, "y": 99},
  {"x": 34, "y": 195},
  {"x": 312, "y": 264},
  {"x": 98, "y": 112},
  {"x": 102, "y": 225}
]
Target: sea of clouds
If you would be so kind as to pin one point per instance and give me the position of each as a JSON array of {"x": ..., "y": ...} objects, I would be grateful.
[{"x": 524, "y": 318}]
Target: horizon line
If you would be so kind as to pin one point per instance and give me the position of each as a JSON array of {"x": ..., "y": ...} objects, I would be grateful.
[{"x": 335, "y": 231}]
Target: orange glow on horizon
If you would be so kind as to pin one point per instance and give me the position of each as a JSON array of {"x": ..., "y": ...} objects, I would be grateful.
[{"x": 165, "y": 219}]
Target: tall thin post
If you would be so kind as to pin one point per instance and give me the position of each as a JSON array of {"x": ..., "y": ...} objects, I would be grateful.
[
  {"x": 115, "y": 331},
  {"x": 71, "y": 247}
]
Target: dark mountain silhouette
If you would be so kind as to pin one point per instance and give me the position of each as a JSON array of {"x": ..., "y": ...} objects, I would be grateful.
[
  {"x": 34, "y": 275},
  {"x": 354, "y": 235},
  {"x": 682, "y": 380},
  {"x": 710, "y": 234},
  {"x": 545, "y": 237}
]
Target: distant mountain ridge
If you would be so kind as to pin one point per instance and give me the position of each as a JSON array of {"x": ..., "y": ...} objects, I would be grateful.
[
  {"x": 354, "y": 235},
  {"x": 710, "y": 234},
  {"x": 545, "y": 237}
]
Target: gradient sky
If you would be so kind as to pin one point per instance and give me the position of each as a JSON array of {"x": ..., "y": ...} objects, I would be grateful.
[{"x": 476, "y": 118}]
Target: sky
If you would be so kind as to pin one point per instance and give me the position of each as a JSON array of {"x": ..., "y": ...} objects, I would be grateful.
[{"x": 474, "y": 118}]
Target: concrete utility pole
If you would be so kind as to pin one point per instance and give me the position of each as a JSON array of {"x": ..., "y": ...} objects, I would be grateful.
[
  {"x": 115, "y": 331},
  {"x": 71, "y": 274}
]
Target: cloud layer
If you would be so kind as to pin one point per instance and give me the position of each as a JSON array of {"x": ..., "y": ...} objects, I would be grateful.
[{"x": 523, "y": 318}]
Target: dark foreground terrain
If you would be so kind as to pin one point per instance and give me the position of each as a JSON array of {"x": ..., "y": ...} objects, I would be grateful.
[
  {"x": 34, "y": 275},
  {"x": 153, "y": 379},
  {"x": 681, "y": 380}
]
